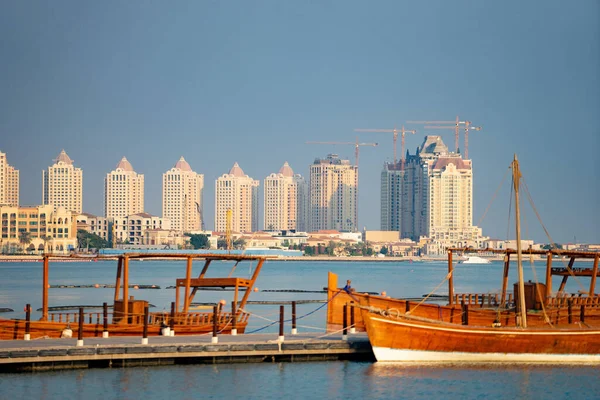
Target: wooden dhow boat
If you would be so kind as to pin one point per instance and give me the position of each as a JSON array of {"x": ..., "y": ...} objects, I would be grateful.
[
  {"x": 127, "y": 316},
  {"x": 402, "y": 336}
]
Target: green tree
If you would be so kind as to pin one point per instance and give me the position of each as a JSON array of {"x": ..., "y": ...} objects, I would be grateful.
[
  {"x": 24, "y": 239},
  {"x": 239, "y": 244},
  {"x": 222, "y": 243},
  {"x": 384, "y": 250},
  {"x": 309, "y": 250},
  {"x": 199, "y": 241},
  {"x": 86, "y": 239}
]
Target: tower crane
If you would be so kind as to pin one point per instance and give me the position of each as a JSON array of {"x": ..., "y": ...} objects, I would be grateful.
[
  {"x": 468, "y": 128},
  {"x": 456, "y": 127},
  {"x": 355, "y": 144},
  {"x": 395, "y": 132}
]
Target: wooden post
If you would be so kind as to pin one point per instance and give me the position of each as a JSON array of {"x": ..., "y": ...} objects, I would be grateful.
[
  {"x": 172, "y": 320},
  {"x": 352, "y": 327},
  {"x": 118, "y": 279},
  {"x": 105, "y": 320},
  {"x": 465, "y": 314},
  {"x": 294, "y": 329},
  {"x": 548, "y": 276},
  {"x": 450, "y": 279},
  {"x": 407, "y": 307},
  {"x": 80, "y": 330},
  {"x": 563, "y": 283},
  {"x": 215, "y": 338},
  {"x": 233, "y": 318},
  {"x": 345, "y": 323},
  {"x": 281, "y": 323},
  {"x": 582, "y": 313},
  {"x": 45, "y": 284},
  {"x": 126, "y": 289},
  {"x": 252, "y": 280},
  {"x": 188, "y": 278},
  {"x": 594, "y": 274},
  {"x": 27, "y": 322},
  {"x": 570, "y": 310},
  {"x": 145, "y": 331},
  {"x": 505, "y": 278}
]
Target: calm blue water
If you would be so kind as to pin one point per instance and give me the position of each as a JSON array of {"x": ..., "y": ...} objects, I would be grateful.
[{"x": 21, "y": 284}]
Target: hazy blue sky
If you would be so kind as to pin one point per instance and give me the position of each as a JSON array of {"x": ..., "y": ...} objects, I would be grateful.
[{"x": 250, "y": 81}]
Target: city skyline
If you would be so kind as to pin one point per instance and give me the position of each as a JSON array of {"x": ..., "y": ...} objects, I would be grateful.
[{"x": 251, "y": 83}]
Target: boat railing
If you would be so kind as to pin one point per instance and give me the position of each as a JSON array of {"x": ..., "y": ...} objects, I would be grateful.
[
  {"x": 94, "y": 317},
  {"x": 197, "y": 318},
  {"x": 575, "y": 299},
  {"x": 482, "y": 299}
]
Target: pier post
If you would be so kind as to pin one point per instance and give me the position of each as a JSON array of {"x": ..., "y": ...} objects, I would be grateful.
[
  {"x": 105, "y": 322},
  {"x": 294, "y": 329},
  {"x": 233, "y": 319},
  {"x": 27, "y": 322},
  {"x": 570, "y": 310},
  {"x": 582, "y": 313},
  {"x": 352, "y": 328},
  {"x": 465, "y": 313},
  {"x": 215, "y": 338},
  {"x": 80, "y": 330},
  {"x": 145, "y": 331},
  {"x": 172, "y": 320},
  {"x": 345, "y": 323},
  {"x": 281, "y": 337}
]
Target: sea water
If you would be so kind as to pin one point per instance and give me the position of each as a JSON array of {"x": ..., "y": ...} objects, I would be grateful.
[{"x": 20, "y": 283}]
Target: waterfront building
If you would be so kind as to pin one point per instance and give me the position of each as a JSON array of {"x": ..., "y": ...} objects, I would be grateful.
[
  {"x": 99, "y": 226},
  {"x": 333, "y": 194},
  {"x": 431, "y": 197},
  {"x": 285, "y": 201},
  {"x": 37, "y": 229},
  {"x": 123, "y": 191},
  {"x": 132, "y": 228},
  {"x": 182, "y": 197},
  {"x": 237, "y": 192},
  {"x": 62, "y": 184},
  {"x": 9, "y": 183}
]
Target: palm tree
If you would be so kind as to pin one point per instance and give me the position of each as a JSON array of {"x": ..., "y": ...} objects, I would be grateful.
[{"x": 24, "y": 239}]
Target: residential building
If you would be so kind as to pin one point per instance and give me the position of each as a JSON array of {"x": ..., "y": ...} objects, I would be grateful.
[
  {"x": 96, "y": 225},
  {"x": 131, "y": 229},
  {"x": 431, "y": 197},
  {"x": 9, "y": 183},
  {"x": 285, "y": 200},
  {"x": 62, "y": 184},
  {"x": 182, "y": 197},
  {"x": 38, "y": 229},
  {"x": 333, "y": 194},
  {"x": 237, "y": 192},
  {"x": 123, "y": 191}
]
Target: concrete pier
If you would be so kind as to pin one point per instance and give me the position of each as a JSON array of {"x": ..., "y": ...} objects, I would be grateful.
[{"x": 59, "y": 354}]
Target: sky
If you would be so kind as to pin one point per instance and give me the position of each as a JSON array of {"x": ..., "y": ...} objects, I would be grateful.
[{"x": 220, "y": 82}]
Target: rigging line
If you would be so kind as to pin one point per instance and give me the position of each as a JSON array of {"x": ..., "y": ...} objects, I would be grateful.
[
  {"x": 570, "y": 270},
  {"x": 448, "y": 275},
  {"x": 493, "y": 198}
]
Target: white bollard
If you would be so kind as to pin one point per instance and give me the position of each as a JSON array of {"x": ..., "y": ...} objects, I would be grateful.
[
  {"x": 280, "y": 339},
  {"x": 27, "y": 336},
  {"x": 105, "y": 335},
  {"x": 214, "y": 340},
  {"x": 233, "y": 331},
  {"x": 353, "y": 330},
  {"x": 144, "y": 340},
  {"x": 344, "y": 337},
  {"x": 173, "y": 332},
  {"x": 294, "y": 331},
  {"x": 79, "y": 343}
]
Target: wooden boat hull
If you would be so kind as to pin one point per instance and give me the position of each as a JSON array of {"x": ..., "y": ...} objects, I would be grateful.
[
  {"x": 420, "y": 340},
  {"x": 15, "y": 329}
]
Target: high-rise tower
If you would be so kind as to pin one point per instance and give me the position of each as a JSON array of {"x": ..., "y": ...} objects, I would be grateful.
[
  {"x": 62, "y": 184},
  {"x": 123, "y": 191},
  {"x": 182, "y": 197},
  {"x": 9, "y": 183},
  {"x": 285, "y": 200},
  {"x": 333, "y": 194},
  {"x": 237, "y": 192}
]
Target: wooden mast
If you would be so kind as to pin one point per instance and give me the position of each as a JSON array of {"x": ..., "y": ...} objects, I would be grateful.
[{"x": 522, "y": 307}]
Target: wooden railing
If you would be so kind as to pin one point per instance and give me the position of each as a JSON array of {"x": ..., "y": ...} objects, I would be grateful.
[{"x": 154, "y": 318}]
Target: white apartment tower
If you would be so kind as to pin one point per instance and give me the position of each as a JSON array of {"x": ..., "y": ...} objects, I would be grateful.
[
  {"x": 432, "y": 197},
  {"x": 62, "y": 184},
  {"x": 123, "y": 191},
  {"x": 285, "y": 200},
  {"x": 182, "y": 197},
  {"x": 333, "y": 194},
  {"x": 237, "y": 192},
  {"x": 9, "y": 183}
]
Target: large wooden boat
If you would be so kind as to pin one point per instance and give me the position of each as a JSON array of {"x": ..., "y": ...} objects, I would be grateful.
[
  {"x": 128, "y": 314},
  {"x": 402, "y": 336}
]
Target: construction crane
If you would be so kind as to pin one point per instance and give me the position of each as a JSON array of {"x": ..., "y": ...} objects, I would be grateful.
[
  {"x": 355, "y": 144},
  {"x": 395, "y": 132},
  {"x": 456, "y": 127},
  {"x": 468, "y": 128}
]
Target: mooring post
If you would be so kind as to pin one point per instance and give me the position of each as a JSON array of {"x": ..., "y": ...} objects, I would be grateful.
[
  {"x": 345, "y": 323},
  {"x": 233, "y": 319},
  {"x": 105, "y": 317},
  {"x": 407, "y": 306},
  {"x": 27, "y": 322},
  {"x": 215, "y": 338},
  {"x": 465, "y": 313},
  {"x": 352, "y": 328},
  {"x": 145, "y": 331},
  {"x": 281, "y": 313},
  {"x": 582, "y": 313},
  {"x": 570, "y": 310},
  {"x": 80, "y": 330},
  {"x": 294, "y": 329},
  {"x": 172, "y": 320}
]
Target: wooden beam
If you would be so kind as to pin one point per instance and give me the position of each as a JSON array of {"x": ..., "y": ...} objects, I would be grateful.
[
  {"x": 126, "y": 289},
  {"x": 450, "y": 280},
  {"x": 563, "y": 283},
  {"x": 548, "y": 275},
  {"x": 253, "y": 279},
  {"x": 594, "y": 274},
  {"x": 505, "y": 278},
  {"x": 45, "y": 284},
  {"x": 204, "y": 269},
  {"x": 118, "y": 279},
  {"x": 188, "y": 277}
]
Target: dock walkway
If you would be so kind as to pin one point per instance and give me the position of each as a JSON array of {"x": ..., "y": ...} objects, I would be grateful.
[{"x": 58, "y": 354}]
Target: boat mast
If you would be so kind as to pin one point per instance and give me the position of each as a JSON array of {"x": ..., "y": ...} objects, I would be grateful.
[{"x": 522, "y": 307}]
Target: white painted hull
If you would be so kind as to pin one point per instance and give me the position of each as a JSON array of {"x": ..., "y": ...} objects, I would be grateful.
[{"x": 400, "y": 355}]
